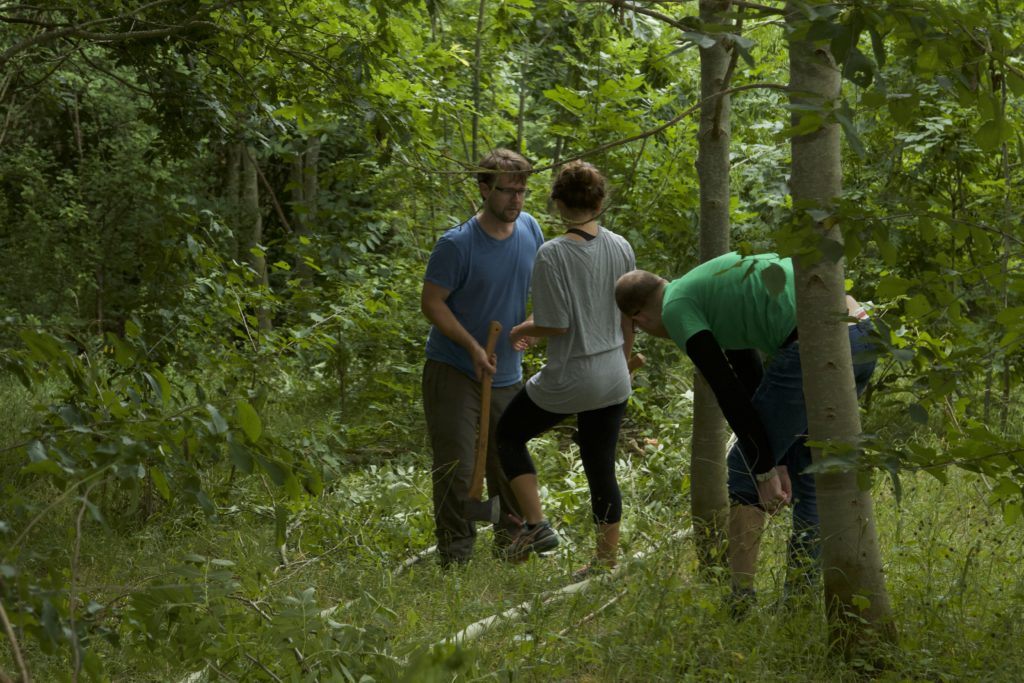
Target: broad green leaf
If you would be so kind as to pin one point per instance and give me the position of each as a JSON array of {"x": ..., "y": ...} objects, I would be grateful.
[
  {"x": 160, "y": 386},
  {"x": 845, "y": 118},
  {"x": 567, "y": 98},
  {"x": 240, "y": 457},
  {"x": 277, "y": 473},
  {"x": 218, "y": 424},
  {"x": 280, "y": 525},
  {"x": 1016, "y": 83},
  {"x": 917, "y": 413},
  {"x": 928, "y": 61},
  {"x": 1011, "y": 316},
  {"x": 992, "y": 134},
  {"x": 903, "y": 108},
  {"x": 1012, "y": 513},
  {"x": 43, "y": 467},
  {"x": 36, "y": 451},
  {"x": 892, "y": 286},
  {"x": 918, "y": 306},
  {"x": 249, "y": 420},
  {"x": 160, "y": 482},
  {"x": 858, "y": 69}
]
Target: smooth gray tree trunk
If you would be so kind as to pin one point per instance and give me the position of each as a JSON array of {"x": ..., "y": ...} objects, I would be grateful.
[
  {"x": 709, "y": 500},
  {"x": 305, "y": 182},
  {"x": 859, "y": 614}
]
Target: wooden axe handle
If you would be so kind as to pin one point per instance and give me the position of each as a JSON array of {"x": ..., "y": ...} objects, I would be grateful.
[{"x": 476, "y": 488}]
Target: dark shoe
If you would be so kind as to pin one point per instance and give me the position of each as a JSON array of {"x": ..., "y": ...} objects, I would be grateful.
[{"x": 532, "y": 538}]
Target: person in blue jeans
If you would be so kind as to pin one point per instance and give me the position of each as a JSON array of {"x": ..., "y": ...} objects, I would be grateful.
[{"x": 726, "y": 317}]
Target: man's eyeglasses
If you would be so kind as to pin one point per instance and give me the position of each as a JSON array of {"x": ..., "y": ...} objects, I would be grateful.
[{"x": 513, "y": 191}]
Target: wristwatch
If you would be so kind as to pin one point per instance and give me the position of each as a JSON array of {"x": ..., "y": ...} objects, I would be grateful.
[{"x": 766, "y": 476}]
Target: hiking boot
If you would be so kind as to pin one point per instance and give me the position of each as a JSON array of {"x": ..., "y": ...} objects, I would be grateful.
[{"x": 532, "y": 538}]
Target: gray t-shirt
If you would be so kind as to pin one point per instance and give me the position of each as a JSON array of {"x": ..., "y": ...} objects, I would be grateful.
[{"x": 574, "y": 287}]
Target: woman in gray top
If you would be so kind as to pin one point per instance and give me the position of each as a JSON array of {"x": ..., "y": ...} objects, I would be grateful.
[{"x": 586, "y": 374}]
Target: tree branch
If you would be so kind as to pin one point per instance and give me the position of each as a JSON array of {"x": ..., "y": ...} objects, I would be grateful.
[
  {"x": 15, "y": 650},
  {"x": 668, "y": 124},
  {"x": 83, "y": 30},
  {"x": 765, "y": 9}
]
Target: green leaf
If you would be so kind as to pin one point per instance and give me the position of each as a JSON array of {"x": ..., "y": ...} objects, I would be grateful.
[
  {"x": 160, "y": 482},
  {"x": 858, "y": 69},
  {"x": 702, "y": 39},
  {"x": 277, "y": 473},
  {"x": 992, "y": 134},
  {"x": 845, "y": 118},
  {"x": 567, "y": 98},
  {"x": 240, "y": 457},
  {"x": 36, "y": 451},
  {"x": 903, "y": 108},
  {"x": 928, "y": 61},
  {"x": 160, "y": 386},
  {"x": 218, "y": 425},
  {"x": 1012, "y": 513},
  {"x": 917, "y": 413},
  {"x": 50, "y": 620},
  {"x": 918, "y": 306},
  {"x": 280, "y": 524},
  {"x": 892, "y": 286},
  {"x": 1015, "y": 82},
  {"x": 249, "y": 420}
]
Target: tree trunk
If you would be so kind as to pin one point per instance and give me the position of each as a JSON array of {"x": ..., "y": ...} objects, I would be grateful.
[
  {"x": 233, "y": 193},
  {"x": 252, "y": 227},
  {"x": 858, "y": 610},
  {"x": 477, "y": 68},
  {"x": 305, "y": 182},
  {"x": 709, "y": 499}
]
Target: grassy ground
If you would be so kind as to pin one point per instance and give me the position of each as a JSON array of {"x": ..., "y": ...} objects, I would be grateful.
[{"x": 340, "y": 591}]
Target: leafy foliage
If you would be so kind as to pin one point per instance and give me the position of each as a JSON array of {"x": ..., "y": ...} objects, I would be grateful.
[{"x": 169, "y": 392}]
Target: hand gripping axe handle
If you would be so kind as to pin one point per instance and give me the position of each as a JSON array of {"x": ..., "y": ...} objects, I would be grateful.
[{"x": 474, "y": 509}]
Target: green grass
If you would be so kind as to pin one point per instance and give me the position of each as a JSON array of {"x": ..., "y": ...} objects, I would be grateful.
[{"x": 343, "y": 596}]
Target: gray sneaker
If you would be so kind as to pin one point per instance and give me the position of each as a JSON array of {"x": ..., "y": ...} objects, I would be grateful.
[{"x": 535, "y": 538}]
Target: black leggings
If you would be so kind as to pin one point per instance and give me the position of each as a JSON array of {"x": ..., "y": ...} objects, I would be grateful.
[{"x": 598, "y": 433}]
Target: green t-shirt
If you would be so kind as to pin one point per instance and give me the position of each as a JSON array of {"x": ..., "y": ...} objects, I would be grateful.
[{"x": 729, "y": 296}]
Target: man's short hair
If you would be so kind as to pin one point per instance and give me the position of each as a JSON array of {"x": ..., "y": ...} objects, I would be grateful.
[
  {"x": 502, "y": 161},
  {"x": 634, "y": 289}
]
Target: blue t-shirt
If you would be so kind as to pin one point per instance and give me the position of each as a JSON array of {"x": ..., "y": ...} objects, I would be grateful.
[{"x": 488, "y": 279}]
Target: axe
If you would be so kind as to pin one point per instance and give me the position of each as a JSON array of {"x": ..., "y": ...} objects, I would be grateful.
[{"x": 474, "y": 509}]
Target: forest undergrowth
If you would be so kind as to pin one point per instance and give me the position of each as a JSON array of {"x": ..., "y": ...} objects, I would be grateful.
[{"x": 353, "y": 593}]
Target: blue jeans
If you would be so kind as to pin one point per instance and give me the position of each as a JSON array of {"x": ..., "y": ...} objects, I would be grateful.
[{"x": 779, "y": 402}]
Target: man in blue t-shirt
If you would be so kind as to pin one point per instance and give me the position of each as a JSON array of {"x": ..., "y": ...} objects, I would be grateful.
[{"x": 478, "y": 271}]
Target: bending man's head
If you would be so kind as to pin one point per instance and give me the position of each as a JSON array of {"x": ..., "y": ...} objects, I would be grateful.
[{"x": 638, "y": 295}]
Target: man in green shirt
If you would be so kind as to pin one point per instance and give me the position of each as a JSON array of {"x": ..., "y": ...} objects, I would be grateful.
[{"x": 727, "y": 314}]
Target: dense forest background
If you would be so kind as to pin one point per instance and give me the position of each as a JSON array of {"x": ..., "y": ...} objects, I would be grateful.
[{"x": 214, "y": 218}]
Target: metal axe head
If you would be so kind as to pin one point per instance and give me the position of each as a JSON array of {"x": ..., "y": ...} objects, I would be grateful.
[{"x": 482, "y": 510}]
